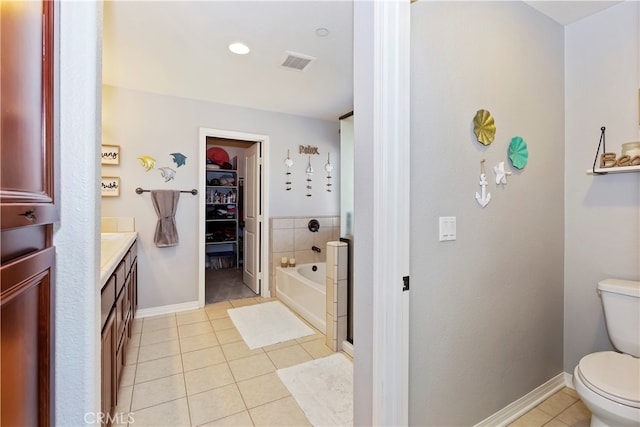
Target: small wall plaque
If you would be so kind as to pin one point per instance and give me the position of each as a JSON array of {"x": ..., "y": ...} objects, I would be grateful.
[
  {"x": 110, "y": 154},
  {"x": 110, "y": 186}
]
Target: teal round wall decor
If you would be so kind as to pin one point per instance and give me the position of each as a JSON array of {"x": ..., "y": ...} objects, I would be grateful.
[{"x": 518, "y": 152}]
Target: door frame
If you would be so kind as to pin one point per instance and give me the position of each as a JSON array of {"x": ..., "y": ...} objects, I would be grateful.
[{"x": 264, "y": 197}]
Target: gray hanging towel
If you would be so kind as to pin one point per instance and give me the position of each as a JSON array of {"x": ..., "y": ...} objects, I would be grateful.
[{"x": 165, "y": 203}]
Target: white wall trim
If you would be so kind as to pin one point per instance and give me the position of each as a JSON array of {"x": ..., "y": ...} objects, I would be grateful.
[
  {"x": 568, "y": 380},
  {"x": 167, "y": 309},
  {"x": 391, "y": 99},
  {"x": 516, "y": 409},
  {"x": 264, "y": 252}
]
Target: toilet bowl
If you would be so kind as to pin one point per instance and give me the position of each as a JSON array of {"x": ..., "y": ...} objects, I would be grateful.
[
  {"x": 608, "y": 382},
  {"x": 609, "y": 385}
]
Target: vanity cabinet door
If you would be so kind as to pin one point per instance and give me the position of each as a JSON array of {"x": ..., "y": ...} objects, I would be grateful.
[{"x": 108, "y": 361}]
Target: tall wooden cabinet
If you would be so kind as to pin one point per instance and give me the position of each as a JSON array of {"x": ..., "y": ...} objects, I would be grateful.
[{"x": 27, "y": 213}]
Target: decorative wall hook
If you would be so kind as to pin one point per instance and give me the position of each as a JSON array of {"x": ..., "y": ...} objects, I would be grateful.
[
  {"x": 309, "y": 172},
  {"x": 288, "y": 163},
  {"x": 328, "y": 167},
  {"x": 484, "y": 198}
]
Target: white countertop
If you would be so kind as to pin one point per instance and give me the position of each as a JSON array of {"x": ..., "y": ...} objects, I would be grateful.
[{"x": 113, "y": 247}]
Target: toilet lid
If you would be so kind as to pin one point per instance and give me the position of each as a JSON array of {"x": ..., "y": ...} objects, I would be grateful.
[{"x": 613, "y": 375}]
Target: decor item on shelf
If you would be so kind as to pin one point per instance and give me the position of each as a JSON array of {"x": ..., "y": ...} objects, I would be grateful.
[
  {"x": 147, "y": 162},
  {"x": 110, "y": 186},
  {"x": 501, "y": 173},
  {"x": 110, "y": 154},
  {"x": 167, "y": 173},
  {"x": 630, "y": 156},
  {"x": 309, "y": 172},
  {"x": 518, "y": 152},
  {"x": 328, "y": 167},
  {"x": 219, "y": 156},
  {"x": 179, "y": 159},
  {"x": 631, "y": 149},
  {"x": 484, "y": 198},
  {"x": 288, "y": 163},
  {"x": 484, "y": 127}
]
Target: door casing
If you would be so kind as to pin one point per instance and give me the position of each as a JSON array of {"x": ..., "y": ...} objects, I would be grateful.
[{"x": 264, "y": 236}]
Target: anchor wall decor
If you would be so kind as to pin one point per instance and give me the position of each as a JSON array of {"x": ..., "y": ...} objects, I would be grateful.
[{"x": 484, "y": 198}]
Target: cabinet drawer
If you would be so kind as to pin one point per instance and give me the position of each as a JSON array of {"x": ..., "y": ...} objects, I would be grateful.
[
  {"x": 123, "y": 308},
  {"x": 120, "y": 274},
  {"x": 108, "y": 297},
  {"x": 127, "y": 263},
  {"x": 134, "y": 251}
]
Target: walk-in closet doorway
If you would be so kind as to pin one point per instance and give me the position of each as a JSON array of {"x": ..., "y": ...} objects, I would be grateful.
[{"x": 233, "y": 244}]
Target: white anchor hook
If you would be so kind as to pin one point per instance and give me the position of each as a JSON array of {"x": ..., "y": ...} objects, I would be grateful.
[{"x": 484, "y": 198}]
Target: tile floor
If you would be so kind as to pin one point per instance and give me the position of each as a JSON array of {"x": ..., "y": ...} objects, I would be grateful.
[
  {"x": 193, "y": 368},
  {"x": 562, "y": 409}
]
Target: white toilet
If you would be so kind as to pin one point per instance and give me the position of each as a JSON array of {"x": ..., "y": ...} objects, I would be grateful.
[{"x": 609, "y": 382}]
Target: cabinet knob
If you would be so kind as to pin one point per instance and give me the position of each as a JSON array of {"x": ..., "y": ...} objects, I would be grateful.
[{"x": 30, "y": 215}]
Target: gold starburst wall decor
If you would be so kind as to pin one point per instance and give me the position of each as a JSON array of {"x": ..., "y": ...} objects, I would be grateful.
[{"x": 484, "y": 127}]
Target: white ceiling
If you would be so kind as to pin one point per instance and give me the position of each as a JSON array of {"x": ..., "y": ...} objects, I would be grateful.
[
  {"x": 179, "y": 48},
  {"x": 568, "y": 11}
]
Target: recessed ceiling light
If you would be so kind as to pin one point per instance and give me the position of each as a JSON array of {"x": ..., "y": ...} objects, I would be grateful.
[
  {"x": 322, "y": 32},
  {"x": 239, "y": 48}
]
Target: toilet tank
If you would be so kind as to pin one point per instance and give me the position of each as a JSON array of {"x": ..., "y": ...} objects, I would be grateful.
[{"x": 621, "y": 302}]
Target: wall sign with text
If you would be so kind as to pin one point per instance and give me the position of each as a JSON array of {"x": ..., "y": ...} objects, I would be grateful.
[
  {"x": 110, "y": 186},
  {"x": 110, "y": 154}
]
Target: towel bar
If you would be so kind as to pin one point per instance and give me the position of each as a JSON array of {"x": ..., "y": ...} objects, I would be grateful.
[{"x": 140, "y": 191}]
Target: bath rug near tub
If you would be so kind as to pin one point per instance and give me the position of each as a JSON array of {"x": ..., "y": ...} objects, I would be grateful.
[
  {"x": 323, "y": 388},
  {"x": 270, "y": 323}
]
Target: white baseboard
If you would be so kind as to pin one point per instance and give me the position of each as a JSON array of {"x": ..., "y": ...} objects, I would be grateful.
[
  {"x": 516, "y": 409},
  {"x": 347, "y": 347},
  {"x": 167, "y": 309},
  {"x": 568, "y": 381}
]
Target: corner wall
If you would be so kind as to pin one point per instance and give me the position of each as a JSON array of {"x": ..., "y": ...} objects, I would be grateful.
[
  {"x": 157, "y": 125},
  {"x": 487, "y": 309},
  {"x": 602, "y": 226}
]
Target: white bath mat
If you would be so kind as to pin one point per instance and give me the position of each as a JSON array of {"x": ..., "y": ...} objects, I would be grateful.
[
  {"x": 269, "y": 323},
  {"x": 323, "y": 388}
]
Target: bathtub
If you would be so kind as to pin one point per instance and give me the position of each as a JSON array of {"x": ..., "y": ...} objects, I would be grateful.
[{"x": 304, "y": 291}]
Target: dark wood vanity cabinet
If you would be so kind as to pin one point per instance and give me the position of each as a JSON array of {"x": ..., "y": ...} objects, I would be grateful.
[
  {"x": 118, "y": 302},
  {"x": 27, "y": 213}
]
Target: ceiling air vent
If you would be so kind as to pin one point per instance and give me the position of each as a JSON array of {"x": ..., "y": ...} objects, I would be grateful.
[{"x": 297, "y": 61}]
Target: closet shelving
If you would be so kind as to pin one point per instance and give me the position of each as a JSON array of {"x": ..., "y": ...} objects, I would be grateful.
[{"x": 221, "y": 204}]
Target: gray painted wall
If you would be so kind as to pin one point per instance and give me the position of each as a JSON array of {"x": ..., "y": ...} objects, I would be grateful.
[
  {"x": 157, "y": 125},
  {"x": 602, "y": 226},
  {"x": 486, "y": 310}
]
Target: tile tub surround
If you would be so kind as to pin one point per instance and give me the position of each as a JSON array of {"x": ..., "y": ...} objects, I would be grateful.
[
  {"x": 337, "y": 294},
  {"x": 290, "y": 237}
]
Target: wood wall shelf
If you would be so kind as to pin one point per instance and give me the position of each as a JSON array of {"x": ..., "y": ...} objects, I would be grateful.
[{"x": 605, "y": 171}]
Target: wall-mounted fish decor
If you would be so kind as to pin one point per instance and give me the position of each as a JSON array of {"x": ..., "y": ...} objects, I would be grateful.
[
  {"x": 179, "y": 159},
  {"x": 147, "y": 162},
  {"x": 167, "y": 173}
]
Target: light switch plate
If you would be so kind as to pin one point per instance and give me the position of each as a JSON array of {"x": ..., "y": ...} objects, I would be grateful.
[{"x": 447, "y": 228}]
